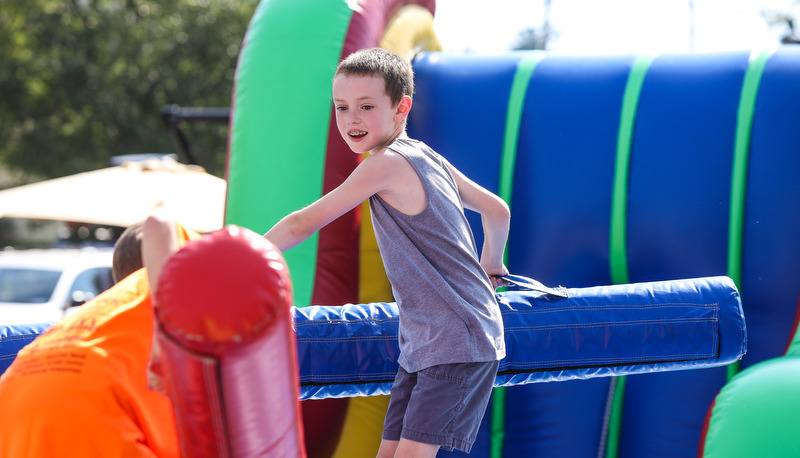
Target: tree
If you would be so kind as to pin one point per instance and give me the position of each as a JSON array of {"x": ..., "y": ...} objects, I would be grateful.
[
  {"x": 84, "y": 80},
  {"x": 536, "y": 38},
  {"x": 785, "y": 20},
  {"x": 530, "y": 38}
]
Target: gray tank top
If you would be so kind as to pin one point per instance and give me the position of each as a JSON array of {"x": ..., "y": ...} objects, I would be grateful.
[{"x": 448, "y": 310}]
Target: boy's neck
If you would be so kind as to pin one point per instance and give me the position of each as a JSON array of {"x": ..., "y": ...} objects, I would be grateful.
[{"x": 380, "y": 148}]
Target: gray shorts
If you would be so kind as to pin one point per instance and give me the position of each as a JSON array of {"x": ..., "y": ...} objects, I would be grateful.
[{"x": 441, "y": 405}]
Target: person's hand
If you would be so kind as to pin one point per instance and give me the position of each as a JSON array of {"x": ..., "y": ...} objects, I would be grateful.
[
  {"x": 494, "y": 273},
  {"x": 155, "y": 373}
]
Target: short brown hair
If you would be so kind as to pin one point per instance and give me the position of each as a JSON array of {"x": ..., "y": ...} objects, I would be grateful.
[
  {"x": 128, "y": 252},
  {"x": 395, "y": 71}
]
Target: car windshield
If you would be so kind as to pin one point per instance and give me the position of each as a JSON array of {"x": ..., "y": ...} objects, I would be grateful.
[{"x": 29, "y": 286}]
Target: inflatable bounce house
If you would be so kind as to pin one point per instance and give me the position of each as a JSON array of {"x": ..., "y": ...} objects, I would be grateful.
[
  {"x": 661, "y": 190},
  {"x": 618, "y": 169}
]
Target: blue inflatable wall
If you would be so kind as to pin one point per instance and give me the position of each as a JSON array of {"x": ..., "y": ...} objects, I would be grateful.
[{"x": 631, "y": 168}]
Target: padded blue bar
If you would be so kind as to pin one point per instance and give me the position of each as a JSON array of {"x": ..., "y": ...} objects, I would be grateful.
[
  {"x": 14, "y": 337},
  {"x": 346, "y": 351},
  {"x": 599, "y": 331}
]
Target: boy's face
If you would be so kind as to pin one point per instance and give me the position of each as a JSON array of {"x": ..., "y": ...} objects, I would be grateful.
[{"x": 365, "y": 115}]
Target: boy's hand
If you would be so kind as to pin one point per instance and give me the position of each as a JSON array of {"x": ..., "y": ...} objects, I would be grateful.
[{"x": 495, "y": 273}]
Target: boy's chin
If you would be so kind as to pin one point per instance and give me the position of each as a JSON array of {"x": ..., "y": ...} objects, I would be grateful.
[
  {"x": 363, "y": 147},
  {"x": 358, "y": 148}
]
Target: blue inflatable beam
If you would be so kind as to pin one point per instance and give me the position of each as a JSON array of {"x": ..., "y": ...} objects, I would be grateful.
[
  {"x": 14, "y": 337},
  {"x": 551, "y": 335},
  {"x": 601, "y": 331}
]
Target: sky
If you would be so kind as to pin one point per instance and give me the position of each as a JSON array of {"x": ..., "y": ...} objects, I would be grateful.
[{"x": 612, "y": 26}]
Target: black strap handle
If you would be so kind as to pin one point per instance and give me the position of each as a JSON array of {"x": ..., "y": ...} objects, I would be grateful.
[{"x": 525, "y": 283}]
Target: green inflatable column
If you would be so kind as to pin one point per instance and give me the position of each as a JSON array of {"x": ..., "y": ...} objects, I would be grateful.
[
  {"x": 279, "y": 124},
  {"x": 756, "y": 413}
]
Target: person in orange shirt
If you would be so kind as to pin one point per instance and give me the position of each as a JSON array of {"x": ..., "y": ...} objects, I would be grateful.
[{"x": 81, "y": 388}]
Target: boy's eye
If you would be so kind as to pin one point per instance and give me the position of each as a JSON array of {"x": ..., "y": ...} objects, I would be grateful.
[
  {"x": 341, "y": 108},
  {"x": 367, "y": 107}
]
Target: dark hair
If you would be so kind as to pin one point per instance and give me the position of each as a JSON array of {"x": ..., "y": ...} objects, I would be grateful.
[
  {"x": 395, "y": 71},
  {"x": 128, "y": 252}
]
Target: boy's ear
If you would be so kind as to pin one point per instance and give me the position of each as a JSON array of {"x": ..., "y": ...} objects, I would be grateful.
[{"x": 403, "y": 108}]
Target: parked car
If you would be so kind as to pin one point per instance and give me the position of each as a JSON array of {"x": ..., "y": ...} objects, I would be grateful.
[{"x": 40, "y": 285}]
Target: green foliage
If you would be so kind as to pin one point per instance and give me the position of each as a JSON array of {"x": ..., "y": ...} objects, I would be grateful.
[
  {"x": 84, "y": 80},
  {"x": 786, "y": 21},
  {"x": 530, "y": 38}
]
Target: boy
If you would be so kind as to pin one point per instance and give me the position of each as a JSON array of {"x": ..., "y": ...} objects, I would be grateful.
[{"x": 451, "y": 332}]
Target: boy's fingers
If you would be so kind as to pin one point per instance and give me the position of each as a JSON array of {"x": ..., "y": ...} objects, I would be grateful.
[{"x": 497, "y": 281}]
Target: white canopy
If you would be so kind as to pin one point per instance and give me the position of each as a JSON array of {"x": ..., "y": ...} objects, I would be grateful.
[{"x": 123, "y": 195}]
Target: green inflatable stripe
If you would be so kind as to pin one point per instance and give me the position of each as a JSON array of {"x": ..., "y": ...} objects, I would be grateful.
[
  {"x": 618, "y": 253},
  {"x": 615, "y": 416},
  {"x": 516, "y": 102},
  {"x": 281, "y": 113},
  {"x": 744, "y": 122},
  {"x": 741, "y": 152},
  {"x": 498, "y": 426}
]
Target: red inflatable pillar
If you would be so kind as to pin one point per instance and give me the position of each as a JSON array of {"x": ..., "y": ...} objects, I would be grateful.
[{"x": 228, "y": 352}]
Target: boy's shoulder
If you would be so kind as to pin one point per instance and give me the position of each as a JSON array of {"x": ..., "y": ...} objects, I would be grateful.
[
  {"x": 405, "y": 140},
  {"x": 406, "y": 145}
]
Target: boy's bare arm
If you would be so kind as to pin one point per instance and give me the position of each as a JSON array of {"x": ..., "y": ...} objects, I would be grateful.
[
  {"x": 367, "y": 179},
  {"x": 495, "y": 216}
]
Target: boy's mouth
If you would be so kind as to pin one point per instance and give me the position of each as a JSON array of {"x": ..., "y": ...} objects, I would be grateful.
[{"x": 356, "y": 133}]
